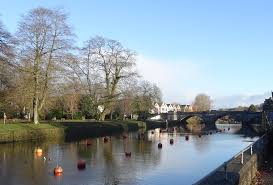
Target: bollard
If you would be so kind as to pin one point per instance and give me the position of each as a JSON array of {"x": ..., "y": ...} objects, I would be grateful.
[
  {"x": 242, "y": 158},
  {"x": 251, "y": 151}
]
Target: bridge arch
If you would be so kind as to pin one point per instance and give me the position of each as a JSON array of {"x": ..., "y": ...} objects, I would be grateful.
[
  {"x": 193, "y": 123},
  {"x": 228, "y": 118}
]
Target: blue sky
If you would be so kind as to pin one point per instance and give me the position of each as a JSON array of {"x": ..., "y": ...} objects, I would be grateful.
[{"x": 223, "y": 48}]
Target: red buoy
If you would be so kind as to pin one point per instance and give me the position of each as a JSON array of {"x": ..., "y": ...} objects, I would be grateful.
[
  {"x": 105, "y": 139},
  {"x": 200, "y": 135},
  {"x": 186, "y": 137},
  {"x": 88, "y": 142},
  {"x": 128, "y": 154},
  {"x": 58, "y": 171},
  {"x": 81, "y": 165},
  {"x": 124, "y": 137},
  {"x": 171, "y": 141},
  {"x": 152, "y": 132},
  {"x": 159, "y": 145}
]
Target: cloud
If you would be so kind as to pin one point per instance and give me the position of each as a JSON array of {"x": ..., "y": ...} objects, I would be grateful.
[
  {"x": 174, "y": 77},
  {"x": 240, "y": 100},
  {"x": 181, "y": 80}
]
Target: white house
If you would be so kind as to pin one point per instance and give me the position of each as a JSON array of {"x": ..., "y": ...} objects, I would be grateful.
[
  {"x": 156, "y": 108},
  {"x": 186, "y": 108},
  {"x": 164, "y": 108},
  {"x": 170, "y": 107},
  {"x": 176, "y": 108}
]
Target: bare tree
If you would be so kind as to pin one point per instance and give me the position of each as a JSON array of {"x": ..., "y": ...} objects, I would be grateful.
[
  {"x": 202, "y": 102},
  {"x": 102, "y": 66},
  {"x": 6, "y": 44},
  {"x": 146, "y": 96},
  {"x": 6, "y": 72},
  {"x": 43, "y": 39}
]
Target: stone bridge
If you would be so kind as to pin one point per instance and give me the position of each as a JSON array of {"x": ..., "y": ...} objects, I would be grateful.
[
  {"x": 213, "y": 116},
  {"x": 209, "y": 118}
]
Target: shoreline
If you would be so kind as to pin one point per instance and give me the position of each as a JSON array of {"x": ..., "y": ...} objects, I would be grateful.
[{"x": 69, "y": 130}]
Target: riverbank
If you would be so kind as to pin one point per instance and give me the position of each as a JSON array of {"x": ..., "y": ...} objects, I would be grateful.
[
  {"x": 242, "y": 168},
  {"x": 67, "y": 130}
]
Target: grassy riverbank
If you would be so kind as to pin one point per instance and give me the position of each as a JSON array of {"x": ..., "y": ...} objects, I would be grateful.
[{"x": 69, "y": 130}]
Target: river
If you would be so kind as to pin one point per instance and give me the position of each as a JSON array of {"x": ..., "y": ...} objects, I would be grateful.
[{"x": 182, "y": 163}]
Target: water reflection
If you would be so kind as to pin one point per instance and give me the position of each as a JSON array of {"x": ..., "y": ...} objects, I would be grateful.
[{"x": 184, "y": 162}]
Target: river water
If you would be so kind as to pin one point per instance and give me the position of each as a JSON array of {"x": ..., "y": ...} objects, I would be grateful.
[{"x": 182, "y": 163}]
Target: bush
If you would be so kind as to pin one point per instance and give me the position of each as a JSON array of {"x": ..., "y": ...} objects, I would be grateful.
[
  {"x": 252, "y": 108},
  {"x": 77, "y": 115},
  {"x": 55, "y": 113}
]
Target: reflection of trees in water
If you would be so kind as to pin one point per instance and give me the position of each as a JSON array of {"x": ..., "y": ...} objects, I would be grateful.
[
  {"x": 109, "y": 165},
  {"x": 86, "y": 151},
  {"x": 110, "y": 162},
  {"x": 19, "y": 165},
  {"x": 194, "y": 123}
]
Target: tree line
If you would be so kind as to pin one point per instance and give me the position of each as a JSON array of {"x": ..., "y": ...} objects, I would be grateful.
[{"x": 45, "y": 75}]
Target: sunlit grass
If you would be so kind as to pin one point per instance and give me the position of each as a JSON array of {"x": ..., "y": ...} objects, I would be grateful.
[{"x": 22, "y": 126}]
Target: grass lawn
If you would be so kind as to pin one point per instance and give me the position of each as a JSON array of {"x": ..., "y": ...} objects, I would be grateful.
[
  {"x": 68, "y": 129},
  {"x": 23, "y": 126}
]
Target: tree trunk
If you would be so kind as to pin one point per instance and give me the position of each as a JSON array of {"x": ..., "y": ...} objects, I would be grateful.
[
  {"x": 35, "y": 96},
  {"x": 111, "y": 115},
  {"x": 35, "y": 110}
]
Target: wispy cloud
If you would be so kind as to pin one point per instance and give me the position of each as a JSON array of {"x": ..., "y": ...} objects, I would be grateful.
[
  {"x": 240, "y": 100},
  {"x": 180, "y": 81}
]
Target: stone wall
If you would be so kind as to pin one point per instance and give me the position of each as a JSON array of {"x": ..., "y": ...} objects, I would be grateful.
[{"x": 234, "y": 172}]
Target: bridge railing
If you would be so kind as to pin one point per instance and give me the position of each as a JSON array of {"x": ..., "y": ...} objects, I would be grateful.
[{"x": 255, "y": 147}]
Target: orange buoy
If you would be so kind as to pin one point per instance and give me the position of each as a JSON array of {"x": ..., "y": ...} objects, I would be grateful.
[
  {"x": 81, "y": 164},
  {"x": 171, "y": 141},
  {"x": 38, "y": 152},
  {"x": 58, "y": 171},
  {"x": 128, "y": 154},
  {"x": 159, "y": 145}
]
